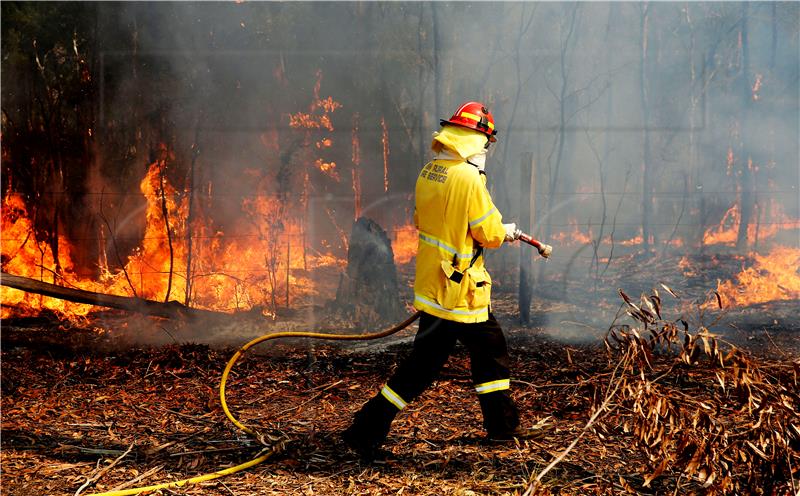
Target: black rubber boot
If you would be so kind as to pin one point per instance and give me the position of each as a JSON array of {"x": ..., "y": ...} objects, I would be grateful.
[
  {"x": 500, "y": 415},
  {"x": 370, "y": 427}
]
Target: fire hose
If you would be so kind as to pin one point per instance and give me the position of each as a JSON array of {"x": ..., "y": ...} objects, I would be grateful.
[
  {"x": 544, "y": 250},
  {"x": 278, "y": 447}
]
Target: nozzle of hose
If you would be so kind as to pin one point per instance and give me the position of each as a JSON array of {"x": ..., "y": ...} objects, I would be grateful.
[{"x": 544, "y": 249}]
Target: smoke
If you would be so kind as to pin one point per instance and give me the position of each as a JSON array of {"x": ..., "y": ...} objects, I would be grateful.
[
  {"x": 562, "y": 79},
  {"x": 661, "y": 113}
]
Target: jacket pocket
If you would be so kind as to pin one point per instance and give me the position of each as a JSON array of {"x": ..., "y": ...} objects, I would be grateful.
[
  {"x": 480, "y": 288},
  {"x": 454, "y": 288}
]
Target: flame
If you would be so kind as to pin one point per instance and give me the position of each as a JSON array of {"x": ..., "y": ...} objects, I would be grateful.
[
  {"x": 259, "y": 268},
  {"x": 757, "y": 86},
  {"x": 727, "y": 230},
  {"x": 634, "y": 241},
  {"x": 573, "y": 235},
  {"x": 729, "y": 161},
  {"x": 327, "y": 168},
  {"x": 24, "y": 255},
  {"x": 302, "y": 120},
  {"x": 774, "y": 276},
  {"x": 328, "y": 105},
  {"x": 313, "y": 119},
  {"x": 405, "y": 243},
  {"x": 686, "y": 266},
  {"x": 260, "y": 263},
  {"x": 676, "y": 243}
]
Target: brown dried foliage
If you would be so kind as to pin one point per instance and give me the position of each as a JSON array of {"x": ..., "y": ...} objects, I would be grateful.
[{"x": 712, "y": 413}]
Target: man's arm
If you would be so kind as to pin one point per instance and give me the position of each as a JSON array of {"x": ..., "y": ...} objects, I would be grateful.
[{"x": 485, "y": 221}]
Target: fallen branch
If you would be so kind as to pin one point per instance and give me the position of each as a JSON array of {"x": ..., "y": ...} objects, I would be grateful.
[
  {"x": 91, "y": 480},
  {"x": 170, "y": 309},
  {"x": 536, "y": 484},
  {"x": 137, "y": 479}
]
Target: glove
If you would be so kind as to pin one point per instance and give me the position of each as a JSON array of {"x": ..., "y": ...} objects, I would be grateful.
[{"x": 511, "y": 232}]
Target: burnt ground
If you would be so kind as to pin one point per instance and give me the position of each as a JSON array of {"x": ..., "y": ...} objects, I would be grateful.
[
  {"x": 74, "y": 401},
  {"x": 123, "y": 401}
]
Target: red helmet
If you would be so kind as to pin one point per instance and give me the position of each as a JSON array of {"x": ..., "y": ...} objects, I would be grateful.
[{"x": 474, "y": 115}]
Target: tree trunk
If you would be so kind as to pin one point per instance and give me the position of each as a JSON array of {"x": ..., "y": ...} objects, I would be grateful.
[
  {"x": 562, "y": 123},
  {"x": 647, "y": 166},
  {"x": 527, "y": 183},
  {"x": 694, "y": 179},
  {"x": 190, "y": 213},
  {"x": 746, "y": 162},
  {"x": 165, "y": 212},
  {"x": 422, "y": 134},
  {"x": 502, "y": 199},
  {"x": 437, "y": 67},
  {"x": 368, "y": 291},
  {"x": 171, "y": 309}
]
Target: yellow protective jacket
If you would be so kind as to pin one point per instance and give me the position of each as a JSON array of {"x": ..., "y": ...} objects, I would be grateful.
[{"x": 454, "y": 215}]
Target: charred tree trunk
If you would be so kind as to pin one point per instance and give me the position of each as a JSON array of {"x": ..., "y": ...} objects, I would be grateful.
[
  {"x": 527, "y": 213},
  {"x": 165, "y": 212},
  {"x": 368, "y": 291},
  {"x": 422, "y": 136},
  {"x": 437, "y": 67},
  {"x": 604, "y": 159},
  {"x": 356, "y": 170},
  {"x": 190, "y": 214},
  {"x": 746, "y": 164},
  {"x": 696, "y": 237},
  {"x": 563, "y": 117},
  {"x": 171, "y": 309},
  {"x": 647, "y": 166}
]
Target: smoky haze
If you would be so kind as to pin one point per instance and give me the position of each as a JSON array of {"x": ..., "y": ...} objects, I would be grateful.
[{"x": 638, "y": 119}]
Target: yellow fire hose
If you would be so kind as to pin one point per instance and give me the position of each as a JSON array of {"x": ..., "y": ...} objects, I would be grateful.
[{"x": 241, "y": 426}]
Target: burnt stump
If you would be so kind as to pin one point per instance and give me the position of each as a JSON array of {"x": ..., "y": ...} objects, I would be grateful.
[{"x": 368, "y": 291}]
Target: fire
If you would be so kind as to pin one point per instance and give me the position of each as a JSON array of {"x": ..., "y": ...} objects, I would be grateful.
[
  {"x": 634, "y": 241},
  {"x": 676, "y": 243},
  {"x": 258, "y": 263},
  {"x": 686, "y": 266},
  {"x": 302, "y": 120},
  {"x": 163, "y": 251},
  {"x": 313, "y": 119},
  {"x": 757, "y": 86},
  {"x": 327, "y": 168},
  {"x": 727, "y": 230},
  {"x": 774, "y": 276},
  {"x": 328, "y": 104},
  {"x": 573, "y": 235},
  {"x": 262, "y": 266},
  {"x": 729, "y": 161},
  {"x": 24, "y": 255},
  {"x": 405, "y": 244}
]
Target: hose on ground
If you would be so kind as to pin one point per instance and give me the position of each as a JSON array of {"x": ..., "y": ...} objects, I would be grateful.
[{"x": 275, "y": 449}]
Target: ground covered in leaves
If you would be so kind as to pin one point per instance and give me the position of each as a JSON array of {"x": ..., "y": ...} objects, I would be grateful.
[{"x": 81, "y": 419}]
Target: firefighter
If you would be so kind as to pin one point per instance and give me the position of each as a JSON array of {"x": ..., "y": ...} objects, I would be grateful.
[{"x": 456, "y": 220}]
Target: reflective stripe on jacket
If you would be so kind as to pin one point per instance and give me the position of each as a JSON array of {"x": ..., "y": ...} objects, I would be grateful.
[{"x": 454, "y": 215}]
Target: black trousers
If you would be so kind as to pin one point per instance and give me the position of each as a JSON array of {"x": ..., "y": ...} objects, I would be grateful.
[{"x": 433, "y": 344}]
